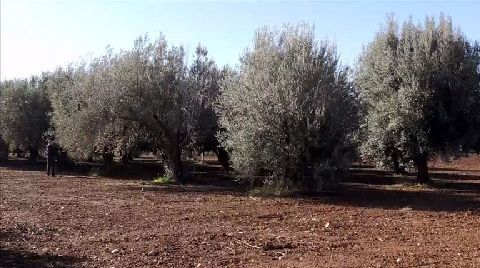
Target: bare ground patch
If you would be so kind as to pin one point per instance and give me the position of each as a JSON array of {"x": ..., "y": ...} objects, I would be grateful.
[{"x": 70, "y": 221}]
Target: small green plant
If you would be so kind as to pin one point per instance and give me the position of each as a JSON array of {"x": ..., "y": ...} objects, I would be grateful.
[
  {"x": 274, "y": 187},
  {"x": 95, "y": 172},
  {"x": 163, "y": 180}
]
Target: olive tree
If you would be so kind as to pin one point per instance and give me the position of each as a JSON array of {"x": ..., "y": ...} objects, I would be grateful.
[
  {"x": 83, "y": 117},
  {"x": 24, "y": 110},
  {"x": 151, "y": 89},
  {"x": 289, "y": 109},
  {"x": 419, "y": 92},
  {"x": 113, "y": 101}
]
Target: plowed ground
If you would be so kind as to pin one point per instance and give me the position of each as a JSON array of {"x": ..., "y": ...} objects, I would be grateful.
[{"x": 373, "y": 221}]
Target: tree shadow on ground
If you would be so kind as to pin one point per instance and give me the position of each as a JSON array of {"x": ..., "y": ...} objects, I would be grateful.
[
  {"x": 367, "y": 188},
  {"x": 17, "y": 258},
  {"x": 434, "y": 200},
  {"x": 393, "y": 197},
  {"x": 375, "y": 177},
  {"x": 362, "y": 187},
  {"x": 373, "y": 188},
  {"x": 221, "y": 185},
  {"x": 457, "y": 176},
  {"x": 453, "y": 169},
  {"x": 463, "y": 181},
  {"x": 132, "y": 171},
  {"x": 138, "y": 169},
  {"x": 23, "y": 164}
]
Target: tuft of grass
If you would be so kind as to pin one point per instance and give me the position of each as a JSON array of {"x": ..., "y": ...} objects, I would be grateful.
[
  {"x": 408, "y": 187},
  {"x": 276, "y": 190},
  {"x": 163, "y": 180},
  {"x": 95, "y": 172}
]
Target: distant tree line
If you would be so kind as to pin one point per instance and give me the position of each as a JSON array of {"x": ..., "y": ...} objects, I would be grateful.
[{"x": 290, "y": 113}]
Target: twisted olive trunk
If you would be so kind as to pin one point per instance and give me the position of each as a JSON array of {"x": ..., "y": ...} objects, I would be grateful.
[
  {"x": 3, "y": 151},
  {"x": 397, "y": 169},
  {"x": 174, "y": 158},
  {"x": 421, "y": 161},
  {"x": 223, "y": 158},
  {"x": 108, "y": 161},
  {"x": 33, "y": 154}
]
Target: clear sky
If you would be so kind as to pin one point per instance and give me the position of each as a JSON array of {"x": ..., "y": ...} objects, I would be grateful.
[{"x": 40, "y": 35}]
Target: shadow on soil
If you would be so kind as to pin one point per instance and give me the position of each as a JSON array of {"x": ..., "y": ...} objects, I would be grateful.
[
  {"x": 454, "y": 169},
  {"x": 369, "y": 188},
  {"x": 400, "y": 199},
  {"x": 382, "y": 189},
  {"x": 139, "y": 169},
  {"x": 461, "y": 181},
  {"x": 364, "y": 186},
  {"x": 23, "y": 258},
  {"x": 16, "y": 258}
]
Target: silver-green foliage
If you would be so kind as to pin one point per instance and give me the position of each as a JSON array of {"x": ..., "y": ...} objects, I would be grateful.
[
  {"x": 289, "y": 108},
  {"x": 102, "y": 104},
  {"x": 81, "y": 115},
  {"x": 419, "y": 89},
  {"x": 107, "y": 103},
  {"x": 24, "y": 109}
]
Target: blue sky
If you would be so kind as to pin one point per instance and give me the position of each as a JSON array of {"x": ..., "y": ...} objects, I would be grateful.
[{"x": 40, "y": 35}]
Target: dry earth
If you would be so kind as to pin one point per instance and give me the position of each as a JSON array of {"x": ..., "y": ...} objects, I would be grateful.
[{"x": 72, "y": 221}]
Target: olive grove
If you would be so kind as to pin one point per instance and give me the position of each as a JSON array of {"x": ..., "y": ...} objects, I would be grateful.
[
  {"x": 290, "y": 114},
  {"x": 420, "y": 94}
]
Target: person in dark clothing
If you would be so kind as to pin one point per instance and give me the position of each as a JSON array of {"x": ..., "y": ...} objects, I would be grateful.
[{"x": 52, "y": 152}]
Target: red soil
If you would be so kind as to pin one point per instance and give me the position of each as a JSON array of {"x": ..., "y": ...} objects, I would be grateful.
[{"x": 70, "y": 221}]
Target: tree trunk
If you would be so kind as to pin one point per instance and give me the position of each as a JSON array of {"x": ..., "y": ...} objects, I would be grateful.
[
  {"x": 3, "y": 151},
  {"x": 174, "y": 162},
  {"x": 108, "y": 161},
  {"x": 173, "y": 146},
  {"x": 421, "y": 162},
  {"x": 397, "y": 169},
  {"x": 396, "y": 164},
  {"x": 3, "y": 156},
  {"x": 33, "y": 154},
  {"x": 63, "y": 160},
  {"x": 223, "y": 158},
  {"x": 127, "y": 157},
  {"x": 18, "y": 152}
]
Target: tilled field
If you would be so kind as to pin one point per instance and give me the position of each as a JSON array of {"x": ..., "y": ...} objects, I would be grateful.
[{"x": 70, "y": 221}]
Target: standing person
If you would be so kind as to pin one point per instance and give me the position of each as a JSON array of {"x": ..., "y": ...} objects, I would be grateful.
[{"x": 51, "y": 157}]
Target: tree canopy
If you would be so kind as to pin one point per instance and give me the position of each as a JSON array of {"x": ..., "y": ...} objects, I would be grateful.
[
  {"x": 149, "y": 90},
  {"x": 24, "y": 114},
  {"x": 289, "y": 109},
  {"x": 419, "y": 89}
]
